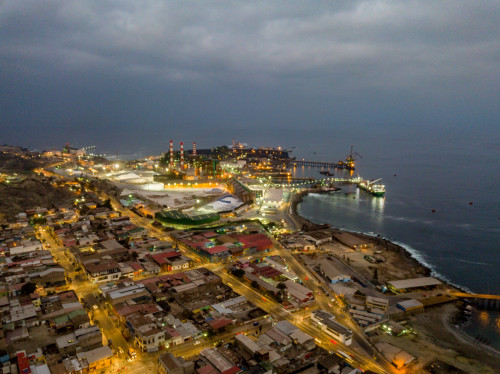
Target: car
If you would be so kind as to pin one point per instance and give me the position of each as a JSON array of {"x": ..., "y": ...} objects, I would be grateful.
[
  {"x": 95, "y": 306},
  {"x": 120, "y": 349},
  {"x": 196, "y": 342}
]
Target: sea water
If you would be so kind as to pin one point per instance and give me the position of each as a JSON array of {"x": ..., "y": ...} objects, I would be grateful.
[{"x": 442, "y": 204}]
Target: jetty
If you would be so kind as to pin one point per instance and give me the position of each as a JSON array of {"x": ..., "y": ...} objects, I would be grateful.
[
  {"x": 335, "y": 165},
  {"x": 482, "y": 301}
]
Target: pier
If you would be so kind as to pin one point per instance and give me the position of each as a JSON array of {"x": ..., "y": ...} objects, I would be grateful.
[
  {"x": 335, "y": 165},
  {"x": 292, "y": 180},
  {"x": 482, "y": 301}
]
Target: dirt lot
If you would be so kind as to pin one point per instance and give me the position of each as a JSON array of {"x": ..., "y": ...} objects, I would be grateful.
[
  {"x": 40, "y": 336},
  {"x": 396, "y": 265},
  {"x": 436, "y": 339}
]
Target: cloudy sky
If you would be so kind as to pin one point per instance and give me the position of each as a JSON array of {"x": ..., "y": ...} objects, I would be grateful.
[{"x": 134, "y": 73}]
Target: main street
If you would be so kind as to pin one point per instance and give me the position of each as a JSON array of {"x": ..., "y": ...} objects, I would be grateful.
[{"x": 364, "y": 358}]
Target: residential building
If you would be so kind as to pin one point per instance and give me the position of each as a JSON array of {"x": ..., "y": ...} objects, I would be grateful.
[{"x": 169, "y": 364}]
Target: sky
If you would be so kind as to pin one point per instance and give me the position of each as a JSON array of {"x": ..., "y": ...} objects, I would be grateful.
[{"x": 133, "y": 74}]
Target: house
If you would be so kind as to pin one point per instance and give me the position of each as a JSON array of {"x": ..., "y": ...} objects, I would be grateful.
[
  {"x": 96, "y": 359},
  {"x": 319, "y": 237},
  {"x": 279, "y": 339},
  {"x": 255, "y": 243},
  {"x": 303, "y": 340},
  {"x": 172, "y": 260},
  {"x": 298, "y": 292},
  {"x": 169, "y": 364},
  {"x": 102, "y": 270},
  {"x": 130, "y": 292},
  {"x": 148, "y": 336}
]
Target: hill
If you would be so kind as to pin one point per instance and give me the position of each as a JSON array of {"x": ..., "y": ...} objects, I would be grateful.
[{"x": 33, "y": 191}]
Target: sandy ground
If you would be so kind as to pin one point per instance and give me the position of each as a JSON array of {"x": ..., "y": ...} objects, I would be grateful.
[
  {"x": 405, "y": 268},
  {"x": 435, "y": 339}
]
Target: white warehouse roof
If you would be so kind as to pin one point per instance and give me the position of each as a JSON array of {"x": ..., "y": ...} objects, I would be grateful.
[{"x": 414, "y": 283}]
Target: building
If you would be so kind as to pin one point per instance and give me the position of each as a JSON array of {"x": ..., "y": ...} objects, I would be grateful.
[
  {"x": 96, "y": 359},
  {"x": 303, "y": 340},
  {"x": 82, "y": 339},
  {"x": 102, "y": 270},
  {"x": 248, "y": 345},
  {"x": 319, "y": 237},
  {"x": 218, "y": 361},
  {"x": 169, "y": 364},
  {"x": 298, "y": 292},
  {"x": 326, "y": 322},
  {"x": 395, "y": 355},
  {"x": 410, "y": 306},
  {"x": 332, "y": 274},
  {"x": 280, "y": 339},
  {"x": 172, "y": 260},
  {"x": 377, "y": 303},
  {"x": 410, "y": 284},
  {"x": 132, "y": 292},
  {"x": 148, "y": 336}
]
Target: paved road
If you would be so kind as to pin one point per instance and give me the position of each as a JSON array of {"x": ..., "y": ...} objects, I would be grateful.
[{"x": 147, "y": 362}]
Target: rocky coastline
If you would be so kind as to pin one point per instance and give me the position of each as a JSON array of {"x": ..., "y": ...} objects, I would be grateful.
[{"x": 389, "y": 245}]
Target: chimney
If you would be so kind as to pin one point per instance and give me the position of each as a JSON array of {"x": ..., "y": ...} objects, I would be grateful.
[
  {"x": 182, "y": 155},
  {"x": 171, "y": 154}
]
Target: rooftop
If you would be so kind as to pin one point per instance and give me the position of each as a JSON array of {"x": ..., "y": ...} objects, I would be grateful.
[{"x": 414, "y": 283}]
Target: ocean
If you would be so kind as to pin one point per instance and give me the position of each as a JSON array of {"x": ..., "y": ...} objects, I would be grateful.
[{"x": 442, "y": 203}]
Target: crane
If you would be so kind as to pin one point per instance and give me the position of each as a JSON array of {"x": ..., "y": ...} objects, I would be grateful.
[
  {"x": 350, "y": 159},
  {"x": 374, "y": 181}
]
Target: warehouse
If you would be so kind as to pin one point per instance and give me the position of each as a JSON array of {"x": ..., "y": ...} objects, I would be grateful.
[
  {"x": 410, "y": 284},
  {"x": 410, "y": 305}
]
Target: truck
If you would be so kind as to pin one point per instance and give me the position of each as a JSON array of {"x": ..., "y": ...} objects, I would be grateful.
[{"x": 132, "y": 353}]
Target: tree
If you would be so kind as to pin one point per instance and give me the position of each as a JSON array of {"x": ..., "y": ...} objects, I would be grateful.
[
  {"x": 238, "y": 272},
  {"x": 28, "y": 288},
  {"x": 255, "y": 284},
  {"x": 281, "y": 286},
  {"x": 134, "y": 255}
]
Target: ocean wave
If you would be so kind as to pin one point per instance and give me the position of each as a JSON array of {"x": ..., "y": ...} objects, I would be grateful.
[
  {"x": 402, "y": 219},
  {"x": 473, "y": 262},
  {"x": 414, "y": 253},
  {"x": 417, "y": 255}
]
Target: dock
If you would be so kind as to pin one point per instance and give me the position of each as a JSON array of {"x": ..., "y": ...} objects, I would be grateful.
[{"x": 335, "y": 165}]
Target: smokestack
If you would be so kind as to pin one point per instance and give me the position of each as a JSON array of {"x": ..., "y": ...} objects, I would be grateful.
[
  {"x": 171, "y": 154},
  {"x": 234, "y": 143},
  {"x": 194, "y": 148},
  {"x": 182, "y": 155}
]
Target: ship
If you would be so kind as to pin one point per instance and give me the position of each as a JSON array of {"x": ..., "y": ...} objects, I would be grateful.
[
  {"x": 376, "y": 189},
  {"x": 327, "y": 173}
]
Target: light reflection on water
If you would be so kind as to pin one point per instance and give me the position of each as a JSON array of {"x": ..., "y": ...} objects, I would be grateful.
[
  {"x": 484, "y": 318},
  {"x": 484, "y": 325},
  {"x": 444, "y": 242}
]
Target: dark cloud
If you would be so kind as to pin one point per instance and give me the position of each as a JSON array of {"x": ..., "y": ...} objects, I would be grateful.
[{"x": 71, "y": 68}]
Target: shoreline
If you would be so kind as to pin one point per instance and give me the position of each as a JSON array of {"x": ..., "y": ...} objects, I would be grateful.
[
  {"x": 456, "y": 331},
  {"x": 390, "y": 244}
]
